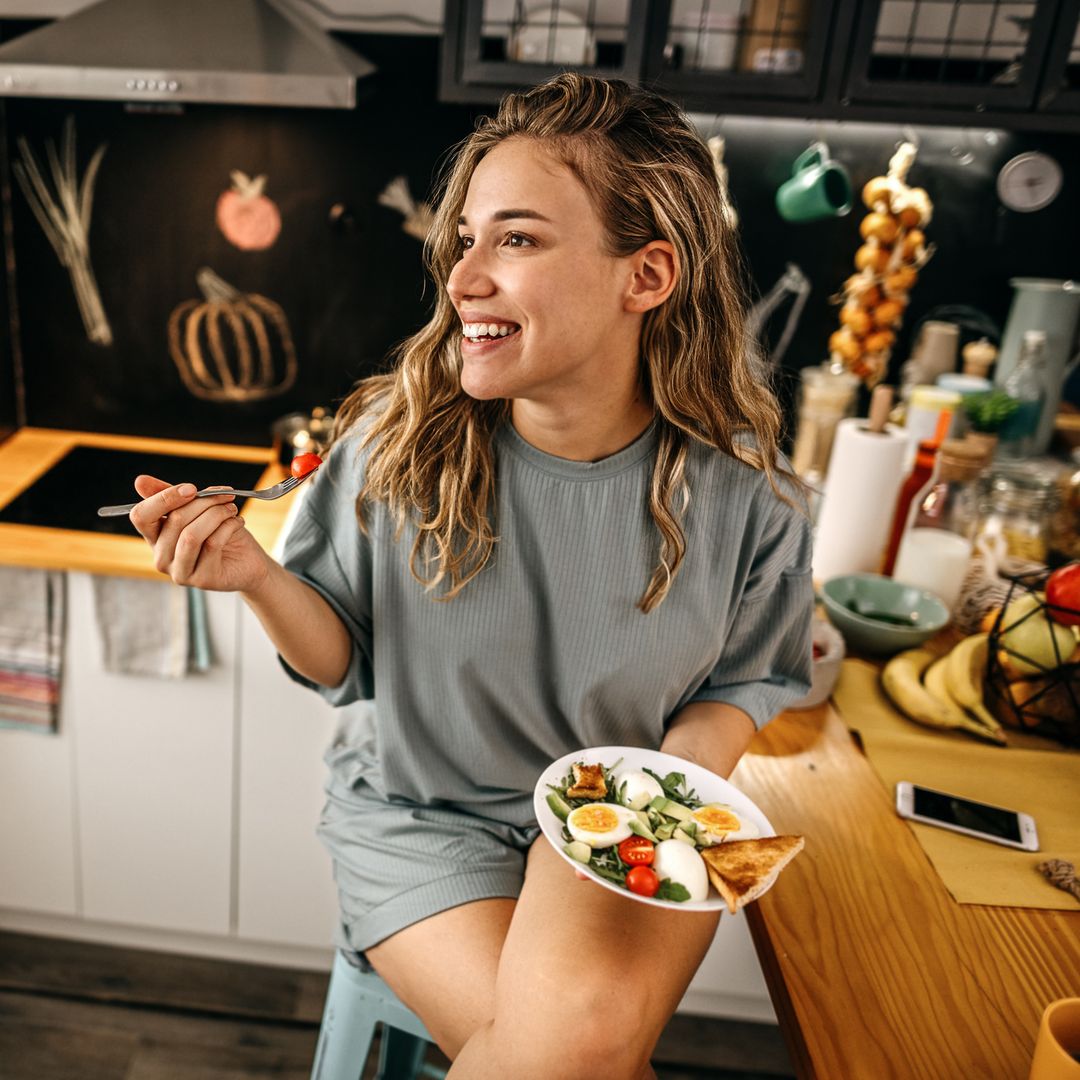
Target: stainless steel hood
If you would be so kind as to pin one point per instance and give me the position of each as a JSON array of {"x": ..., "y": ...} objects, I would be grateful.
[{"x": 239, "y": 52}]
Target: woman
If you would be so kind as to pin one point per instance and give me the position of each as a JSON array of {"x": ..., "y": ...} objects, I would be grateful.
[{"x": 558, "y": 523}]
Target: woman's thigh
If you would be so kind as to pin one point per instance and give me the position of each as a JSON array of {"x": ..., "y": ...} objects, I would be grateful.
[
  {"x": 444, "y": 968},
  {"x": 585, "y": 976}
]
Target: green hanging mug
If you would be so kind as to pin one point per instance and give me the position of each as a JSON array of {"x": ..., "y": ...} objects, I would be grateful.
[{"x": 819, "y": 187}]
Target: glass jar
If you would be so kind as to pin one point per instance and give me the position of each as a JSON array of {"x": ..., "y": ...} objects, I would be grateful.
[
  {"x": 1019, "y": 506},
  {"x": 825, "y": 398},
  {"x": 1065, "y": 526}
]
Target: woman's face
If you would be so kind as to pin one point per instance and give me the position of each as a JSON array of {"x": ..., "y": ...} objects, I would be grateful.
[{"x": 533, "y": 263}]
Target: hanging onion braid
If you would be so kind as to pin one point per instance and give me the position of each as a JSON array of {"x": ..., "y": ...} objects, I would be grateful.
[{"x": 651, "y": 177}]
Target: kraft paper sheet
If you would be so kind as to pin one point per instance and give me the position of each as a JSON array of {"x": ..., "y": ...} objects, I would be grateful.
[{"x": 1032, "y": 774}]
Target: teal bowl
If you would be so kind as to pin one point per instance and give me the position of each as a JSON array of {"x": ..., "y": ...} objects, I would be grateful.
[{"x": 880, "y": 616}]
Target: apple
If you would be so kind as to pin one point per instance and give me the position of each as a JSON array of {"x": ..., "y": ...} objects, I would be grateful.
[
  {"x": 1063, "y": 591},
  {"x": 1034, "y": 642}
]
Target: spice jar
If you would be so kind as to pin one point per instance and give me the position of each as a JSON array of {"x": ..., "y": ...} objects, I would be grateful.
[
  {"x": 826, "y": 397},
  {"x": 1018, "y": 506}
]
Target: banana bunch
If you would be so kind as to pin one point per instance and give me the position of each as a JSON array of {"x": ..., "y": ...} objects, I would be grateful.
[{"x": 944, "y": 691}]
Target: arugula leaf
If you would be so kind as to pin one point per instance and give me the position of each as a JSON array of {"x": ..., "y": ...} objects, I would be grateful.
[
  {"x": 674, "y": 787},
  {"x": 672, "y": 890}
]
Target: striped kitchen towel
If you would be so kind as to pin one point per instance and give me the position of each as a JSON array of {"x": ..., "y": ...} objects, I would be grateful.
[
  {"x": 151, "y": 627},
  {"x": 32, "y": 614}
]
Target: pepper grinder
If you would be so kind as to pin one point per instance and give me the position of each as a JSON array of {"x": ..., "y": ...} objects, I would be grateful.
[{"x": 979, "y": 357}]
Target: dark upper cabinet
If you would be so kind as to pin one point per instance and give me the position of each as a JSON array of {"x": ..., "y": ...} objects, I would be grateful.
[
  {"x": 763, "y": 50},
  {"x": 1059, "y": 91},
  {"x": 491, "y": 46},
  {"x": 1010, "y": 63},
  {"x": 934, "y": 54}
]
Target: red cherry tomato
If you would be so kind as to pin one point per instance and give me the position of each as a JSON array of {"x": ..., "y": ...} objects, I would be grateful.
[
  {"x": 636, "y": 851},
  {"x": 302, "y": 464},
  {"x": 642, "y": 880},
  {"x": 1063, "y": 591}
]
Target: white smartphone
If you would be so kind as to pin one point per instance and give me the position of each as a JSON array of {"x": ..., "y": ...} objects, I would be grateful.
[{"x": 981, "y": 820}]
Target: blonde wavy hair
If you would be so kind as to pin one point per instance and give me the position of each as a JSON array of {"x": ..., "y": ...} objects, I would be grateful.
[{"x": 651, "y": 177}]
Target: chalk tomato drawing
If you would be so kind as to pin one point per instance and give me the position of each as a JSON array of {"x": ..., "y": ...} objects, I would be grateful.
[{"x": 248, "y": 219}]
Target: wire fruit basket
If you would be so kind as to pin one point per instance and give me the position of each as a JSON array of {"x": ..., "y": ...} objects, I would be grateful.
[{"x": 1024, "y": 691}]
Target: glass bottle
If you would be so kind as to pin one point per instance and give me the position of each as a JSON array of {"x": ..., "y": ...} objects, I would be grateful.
[
  {"x": 935, "y": 549},
  {"x": 920, "y": 478},
  {"x": 1026, "y": 384}
]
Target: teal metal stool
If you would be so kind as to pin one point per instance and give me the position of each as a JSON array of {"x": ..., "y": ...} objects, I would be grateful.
[{"x": 357, "y": 1001}]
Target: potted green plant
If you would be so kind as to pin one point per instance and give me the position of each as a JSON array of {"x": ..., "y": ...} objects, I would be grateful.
[{"x": 986, "y": 413}]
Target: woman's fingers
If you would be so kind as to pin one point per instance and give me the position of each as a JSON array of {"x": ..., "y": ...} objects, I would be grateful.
[
  {"x": 200, "y": 535},
  {"x": 159, "y": 500}
]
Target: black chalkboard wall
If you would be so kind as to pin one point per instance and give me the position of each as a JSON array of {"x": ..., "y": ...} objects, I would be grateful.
[{"x": 352, "y": 290}]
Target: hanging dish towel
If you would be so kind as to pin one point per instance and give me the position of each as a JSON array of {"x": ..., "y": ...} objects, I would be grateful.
[
  {"x": 31, "y": 647},
  {"x": 151, "y": 628}
]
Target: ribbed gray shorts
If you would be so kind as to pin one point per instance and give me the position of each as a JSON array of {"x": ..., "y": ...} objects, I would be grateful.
[{"x": 398, "y": 863}]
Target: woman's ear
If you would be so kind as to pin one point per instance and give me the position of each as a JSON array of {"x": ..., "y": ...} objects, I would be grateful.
[{"x": 654, "y": 271}]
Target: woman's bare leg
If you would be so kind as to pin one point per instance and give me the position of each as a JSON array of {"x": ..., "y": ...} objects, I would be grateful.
[
  {"x": 586, "y": 981},
  {"x": 444, "y": 968}
]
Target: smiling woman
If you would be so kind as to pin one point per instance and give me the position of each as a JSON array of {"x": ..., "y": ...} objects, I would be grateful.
[{"x": 560, "y": 521}]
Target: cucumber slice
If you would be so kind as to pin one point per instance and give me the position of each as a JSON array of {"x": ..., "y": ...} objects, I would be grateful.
[
  {"x": 663, "y": 832},
  {"x": 579, "y": 851},
  {"x": 678, "y": 834},
  {"x": 559, "y": 808},
  {"x": 658, "y": 803}
]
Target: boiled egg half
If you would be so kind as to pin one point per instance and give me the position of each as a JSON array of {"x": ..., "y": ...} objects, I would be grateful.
[
  {"x": 600, "y": 824},
  {"x": 683, "y": 865},
  {"x": 719, "y": 822},
  {"x": 640, "y": 789}
]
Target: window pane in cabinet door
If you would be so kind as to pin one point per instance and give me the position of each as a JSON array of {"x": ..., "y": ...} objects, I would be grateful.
[
  {"x": 764, "y": 37},
  {"x": 951, "y": 42},
  {"x": 581, "y": 33}
]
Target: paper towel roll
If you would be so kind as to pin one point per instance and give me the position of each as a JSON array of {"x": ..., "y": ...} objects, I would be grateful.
[{"x": 866, "y": 470}]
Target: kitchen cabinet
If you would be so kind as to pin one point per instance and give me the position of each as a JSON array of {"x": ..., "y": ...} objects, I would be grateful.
[
  {"x": 153, "y": 775},
  {"x": 1059, "y": 91},
  {"x": 285, "y": 890},
  {"x": 1014, "y": 65}
]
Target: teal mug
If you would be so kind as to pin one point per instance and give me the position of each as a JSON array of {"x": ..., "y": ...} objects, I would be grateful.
[{"x": 819, "y": 187}]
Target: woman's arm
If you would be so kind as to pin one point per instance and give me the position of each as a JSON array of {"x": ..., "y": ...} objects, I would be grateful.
[
  {"x": 711, "y": 734},
  {"x": 304, "y": 628}
]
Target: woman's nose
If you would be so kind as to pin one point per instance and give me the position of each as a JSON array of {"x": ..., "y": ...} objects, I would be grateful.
[{"x": 469, "y": 278}]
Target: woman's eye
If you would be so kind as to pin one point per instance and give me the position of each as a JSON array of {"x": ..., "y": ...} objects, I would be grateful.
[
  {"x": 518, "y": 240},
  {"x": 466, "y": 242}
]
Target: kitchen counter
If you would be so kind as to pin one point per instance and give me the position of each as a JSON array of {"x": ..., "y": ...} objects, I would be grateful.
[
  {"x": 31, "y": 452},
  {"x": 874, "y": 970}
]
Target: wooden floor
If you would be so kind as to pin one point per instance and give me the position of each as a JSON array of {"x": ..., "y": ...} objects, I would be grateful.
[{"x": 75, "y": 1011}]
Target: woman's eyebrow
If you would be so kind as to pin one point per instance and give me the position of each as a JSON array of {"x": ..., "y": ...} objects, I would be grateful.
[{"x": 511, "y": 215}]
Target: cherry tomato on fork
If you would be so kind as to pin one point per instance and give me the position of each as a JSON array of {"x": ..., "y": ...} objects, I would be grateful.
[
  {"x": 643, "y": 881},
  {"x": 302, "y": 464},
  {"x": 636, "y": 851}
]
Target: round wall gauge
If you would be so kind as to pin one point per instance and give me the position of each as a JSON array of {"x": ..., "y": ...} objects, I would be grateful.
[{"x": 1029, "y": 182}]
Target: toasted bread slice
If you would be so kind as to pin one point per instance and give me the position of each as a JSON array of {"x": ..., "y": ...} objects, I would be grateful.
[
  {"x": 588, "y": 782},
  {"x": 741, "y": 870}
]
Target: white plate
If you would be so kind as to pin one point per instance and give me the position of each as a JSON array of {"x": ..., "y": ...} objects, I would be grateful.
[
  {"x": 707, "y": 786},
  {"x": 557, "y": 29}
]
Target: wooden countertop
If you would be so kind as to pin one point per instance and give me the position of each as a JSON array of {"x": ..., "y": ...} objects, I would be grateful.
[
  {"x": 874, "y": 970},
  {"x": 30, "y": 452}
]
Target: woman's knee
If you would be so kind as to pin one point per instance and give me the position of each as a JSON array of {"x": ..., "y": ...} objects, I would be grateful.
[{"x": 589, "y": 1032}]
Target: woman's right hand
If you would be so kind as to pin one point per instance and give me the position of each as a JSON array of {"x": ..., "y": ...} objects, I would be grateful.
[{"x": 199, "y": 542}]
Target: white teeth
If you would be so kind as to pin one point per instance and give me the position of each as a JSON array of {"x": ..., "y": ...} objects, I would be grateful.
[{"x": 491, "y": 330}]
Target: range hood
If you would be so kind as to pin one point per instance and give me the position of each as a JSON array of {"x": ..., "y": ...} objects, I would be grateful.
[{"x": 235, "y": 52}]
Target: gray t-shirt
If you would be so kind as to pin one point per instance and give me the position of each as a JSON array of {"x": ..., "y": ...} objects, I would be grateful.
[{"x": 545, "y": 651}]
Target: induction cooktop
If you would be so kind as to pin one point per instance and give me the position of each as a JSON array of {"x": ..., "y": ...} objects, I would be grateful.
[{"x": 86, "y": 477}]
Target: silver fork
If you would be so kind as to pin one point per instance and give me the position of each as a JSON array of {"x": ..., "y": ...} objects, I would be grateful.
[{"x": 274, "y": 492}]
